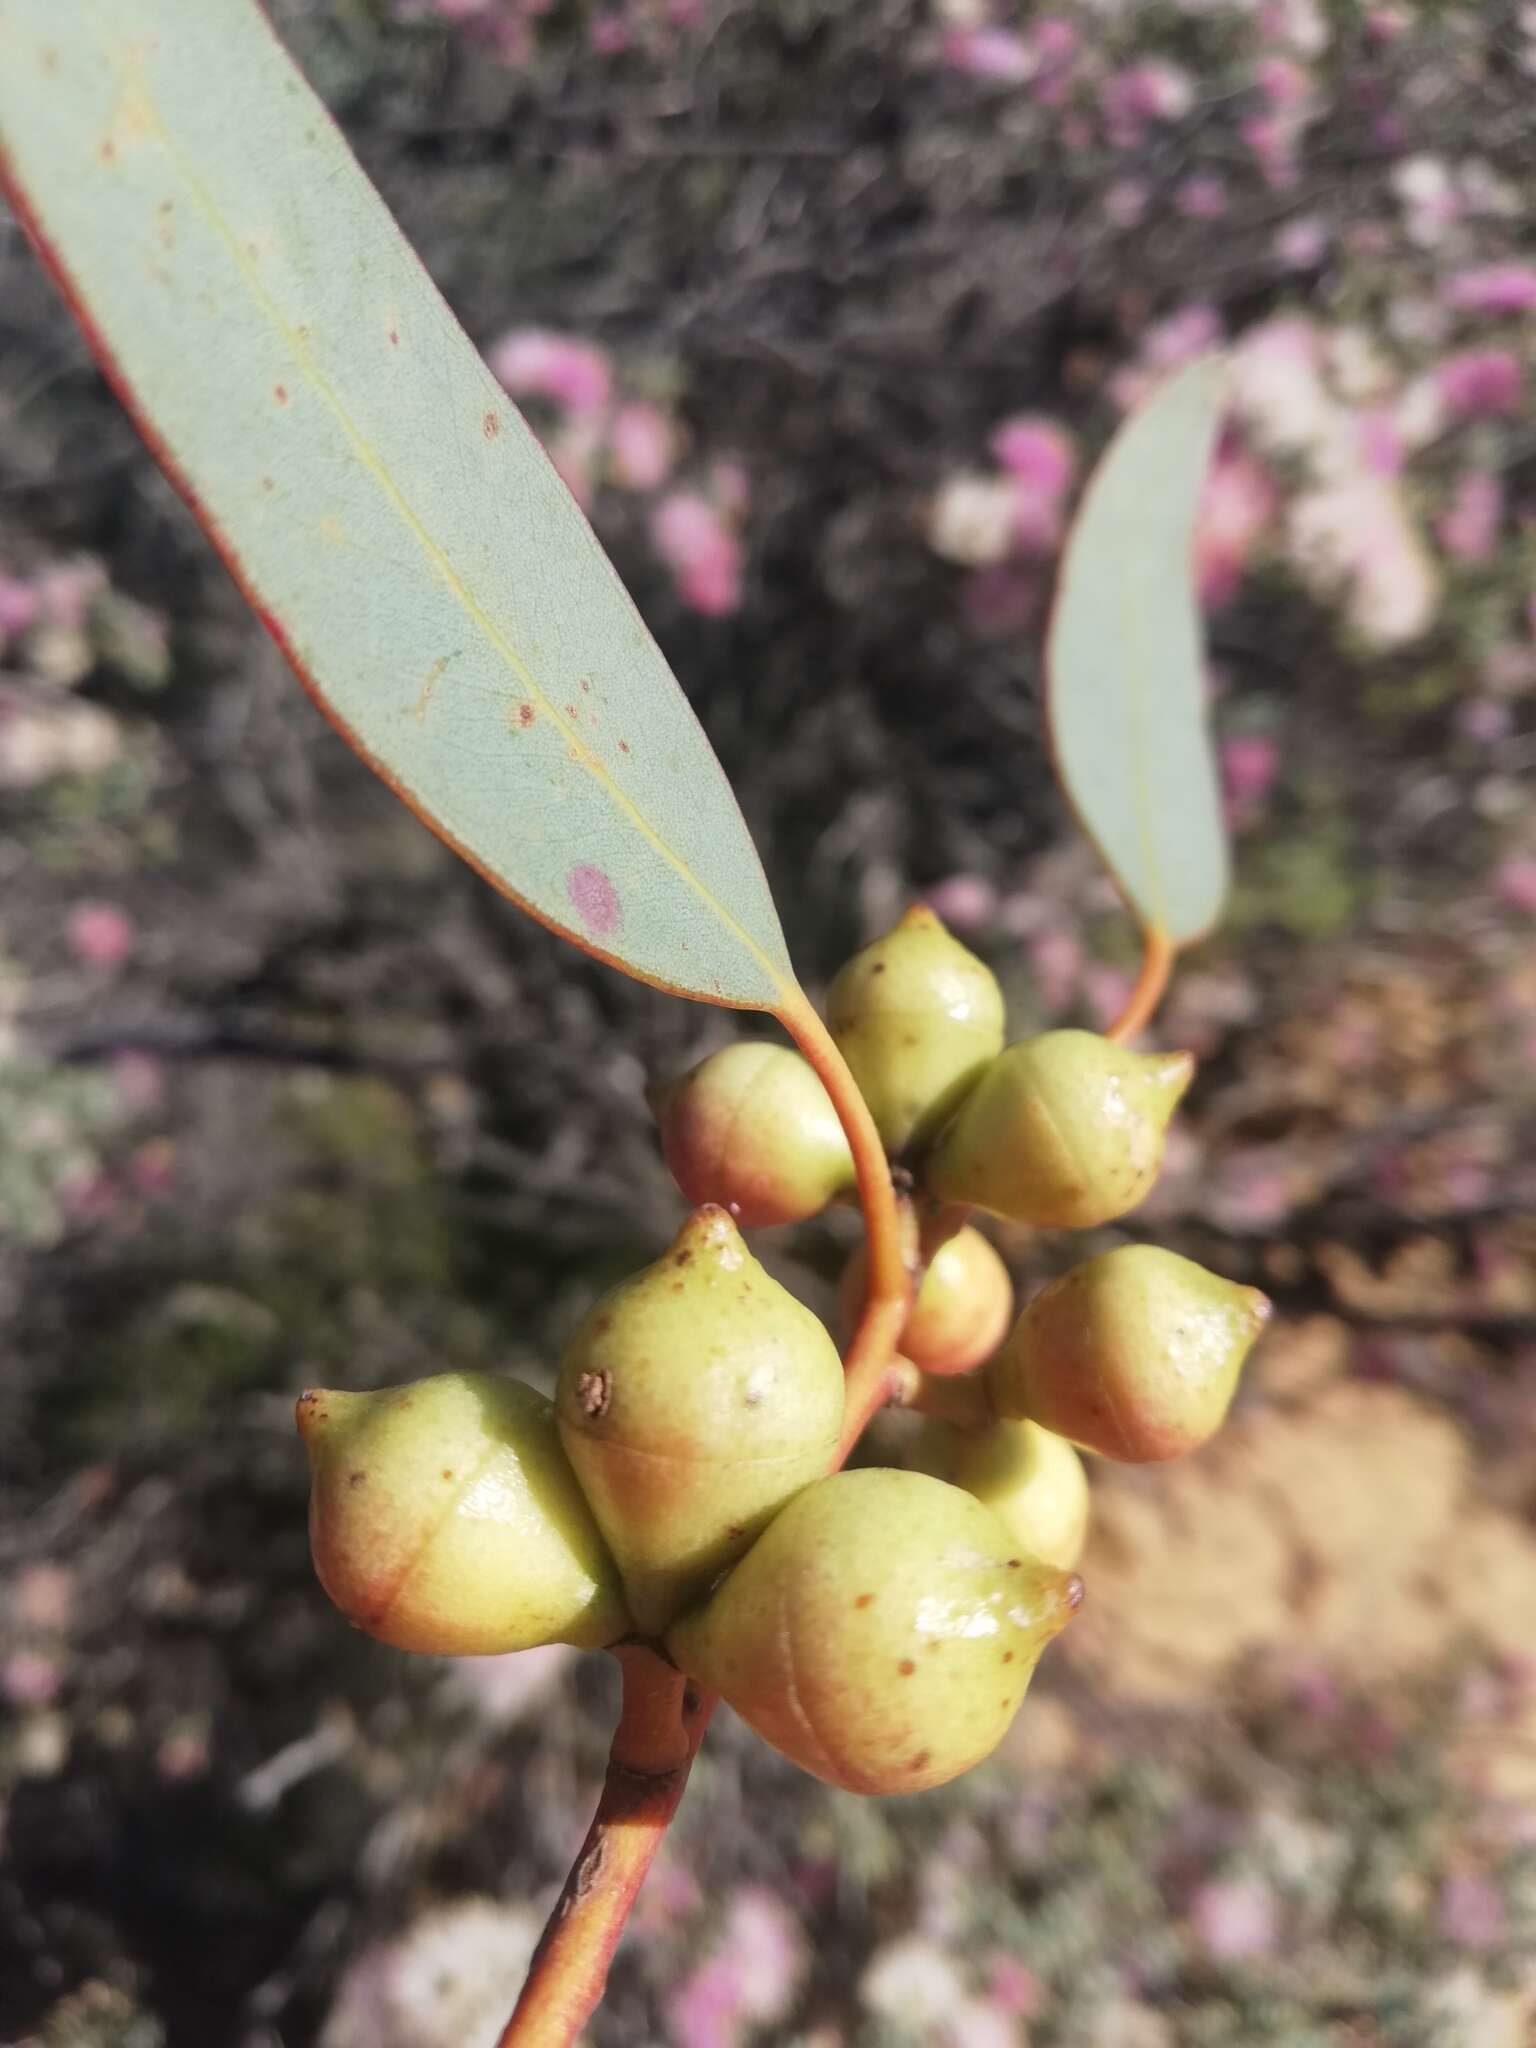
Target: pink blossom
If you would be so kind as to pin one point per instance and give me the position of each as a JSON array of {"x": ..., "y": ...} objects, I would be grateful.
[
  {"x": 1035, "y": 450},
  {"x": 1302, "y": 244},
  {"x": 700, "y": 550},
  {"x": 574, "y": 451},
  {"x": 1485, "y": 720},
  {"x": 140, "y": 1081},
  {"x": 968, "y": 903},
  {"x": 1469, "y": 528},
  {"x": 1181, "y": 337},
  {"x": 1037, "y": 521},
  {"x": 1471, "y": 1911},
  {"x": 1125, "y": 202},
  {"x": 1272, "y": 139},
  {"x": 1380, "y": 442},
  {"x": 703, "y": 2011},
  {"x": 1283, "y": 83},
  {"x": 18, "y": 606},
  {"x": 1481, "y": 383},
  {"x": 30, "y": 1679},
  {"x": 1202, "y": 198},
  {"x": 1496, "y": 288},
  {"x": 532, "y": 362},
  {"x": 42, "y": 1596},
  {"x": 1236, "y": 1919},
  {"x": 1514, "y": 884},
  {"x": 1014, "y": 1988},
  {"x": 66, "y": 591},
  {"x": 100, "y": 934},
  {"x": 1249, "y": 764},
  {"x": 641, "y": 446},
  {"x": 608, "y": 34},
  {"x": 1055, "y": 45},
  {"x": 989, "y": 53},
  {"x": 1132, "y": 99},
  {"x": 1236, "y": 506}
]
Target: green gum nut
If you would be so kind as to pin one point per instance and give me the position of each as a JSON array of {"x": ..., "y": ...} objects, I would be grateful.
[
  {"x": 1033, "y": 1481},
  {"x": 443, "y": 1516},
  {"x": 693, "y": 1401},
  {"x": 1064, "y": 1131},
  {"x": 880, "y": 1633},
  {"x": 917, "y": 1018},
  {"x": 752, "y": 1129},
  {"x": 963, "y": 1307},
  {"x": 1134, "y": 1354}
]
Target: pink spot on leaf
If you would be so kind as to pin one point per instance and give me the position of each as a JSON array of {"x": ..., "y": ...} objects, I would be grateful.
[{"x": 595, "y": 898}]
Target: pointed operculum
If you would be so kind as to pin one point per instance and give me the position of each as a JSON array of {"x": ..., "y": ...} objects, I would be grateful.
[
  {"x": 693, "y": 1401},
  {"x": 1134, "y": 1354},
  {"x": 444, "y": 1517},
  {"x": 917, "y": 1016},
  {"x": 1063, "y": 1131}
]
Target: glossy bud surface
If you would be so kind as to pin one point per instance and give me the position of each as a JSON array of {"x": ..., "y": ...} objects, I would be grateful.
[
  {"x": 694, "y": 1400},
  {"x": 917, "y": 1017},
  {"x": 1064, "y": 1131},
  {"x": 881, "y": 1632},
  {"x": 963, "y": 1308},
  {"x": 752, "y": 1129},
  {"x": 1134, "y": 1354},
  {"x": 444, "y": 1517}
]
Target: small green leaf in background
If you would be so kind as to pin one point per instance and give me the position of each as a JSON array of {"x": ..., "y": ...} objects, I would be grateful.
[
  {"x": 1126, "y": 679},
  {"x": 379, "y": 500}
]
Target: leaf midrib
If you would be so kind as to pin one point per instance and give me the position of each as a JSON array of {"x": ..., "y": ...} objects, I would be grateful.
[{"x": 128, "y": 67}]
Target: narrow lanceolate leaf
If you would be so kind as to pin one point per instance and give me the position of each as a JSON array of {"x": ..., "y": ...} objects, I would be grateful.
[
  {"x": 1126, "y": 678},
  {"x": 378, "y": 499}
]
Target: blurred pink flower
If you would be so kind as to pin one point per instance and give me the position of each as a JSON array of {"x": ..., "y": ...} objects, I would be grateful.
[
  {"x": 1237, "y": 504},
  {"x": 1302, "y": 244},
  {"x": 100, "y": 934},
  {"x": 608, "y": 34},
  {"x": 18, "y": 606},
  {"x": 1249, "y": 764},
  {"x": 42, "y": 1596},
  {"x": 1202, "y": 198},
  {"x": 700, "y": 550},
  {"x": 1496, "y": 288},
  {"x": 1485, "y": 719},
  {"x": 1469, "y": 528},
  {"x": 1037, "y": 451},
  {"x": 1282, "y": 82},
  {"x": 1481, "y": 383},
  {"x": 1380, "y": 441},
  {"x": 66, "y": 591},
  {"x": 1132, "y": 99},
  {"x": 968, "y": 903},
  {"x": 532, "y": 362},
  {"x": 28, "y": 1678},
  {"x": 1125, "y": 201},
  {"x": 750, "y": 1978},
  {"x": 1471, "y": 1911},
  {"x": 1272, "y": 139},
  {"x": 1514, "y": 884},
  {"x": 1013, "y": 1987},
  {"x": 989, "y": 53},
  {"x": 1236, "y": 1918},
  {"x": 641, "y": 446}
]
